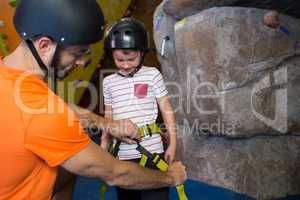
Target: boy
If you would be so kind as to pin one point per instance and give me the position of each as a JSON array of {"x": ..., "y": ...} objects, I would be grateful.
[{"x": 133, "y": 93}]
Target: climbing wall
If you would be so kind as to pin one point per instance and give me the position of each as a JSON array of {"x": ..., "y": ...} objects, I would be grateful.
[
  {"x": 9, "y": 38},
  {"x": 236, "y": 73}
]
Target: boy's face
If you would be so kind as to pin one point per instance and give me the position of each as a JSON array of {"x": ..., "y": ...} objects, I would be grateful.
[{"x": 126, "y": 60}]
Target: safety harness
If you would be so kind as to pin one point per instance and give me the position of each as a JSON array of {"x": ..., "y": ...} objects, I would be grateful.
[{"x": 147, "y": 157}]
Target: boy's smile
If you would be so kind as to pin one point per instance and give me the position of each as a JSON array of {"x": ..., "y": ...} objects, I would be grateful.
[{"x": 126, "y": 60}]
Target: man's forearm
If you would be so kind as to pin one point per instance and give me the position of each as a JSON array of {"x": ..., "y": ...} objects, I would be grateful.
[
  {"x": 132, "y": 176},
  {"x": 89, "y": 119},
  {"x": 127, "y": 174},
  {"x": 94, "y": 162},
  {"x": 121, "y": 129}
]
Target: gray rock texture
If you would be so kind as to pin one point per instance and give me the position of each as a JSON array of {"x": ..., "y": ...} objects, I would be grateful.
[
  {"x": 263, "y": 167},
  {"x": 235, "y": 86},
  {"x": 233, "y": 75},
  {"x": 164, "y": 30},
  {"x": 183, "y": 8}
]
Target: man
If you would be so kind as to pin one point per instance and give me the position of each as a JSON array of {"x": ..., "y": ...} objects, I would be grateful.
[{"x": 37, "y": 134}]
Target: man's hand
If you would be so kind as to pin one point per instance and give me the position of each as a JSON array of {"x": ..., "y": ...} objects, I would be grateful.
[
  {"x": 124, "y": 130},
  {"x": 178, "y": 173}
]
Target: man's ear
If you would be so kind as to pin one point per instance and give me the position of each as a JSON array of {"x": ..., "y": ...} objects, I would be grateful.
[
  {"x": 46, "y": 49},
  {"x": 45, "y": 46}
]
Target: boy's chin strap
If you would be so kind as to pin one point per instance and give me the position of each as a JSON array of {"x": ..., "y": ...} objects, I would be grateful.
[
  {"x": 49, "y": 73},
  {"x": 131, "y": 74}
]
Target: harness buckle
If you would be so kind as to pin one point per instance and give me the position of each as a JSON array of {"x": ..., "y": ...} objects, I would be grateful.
[{"x": 149, "y": 130}]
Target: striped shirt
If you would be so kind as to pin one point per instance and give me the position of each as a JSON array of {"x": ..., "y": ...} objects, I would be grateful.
[{"x": 134, "y": 98}]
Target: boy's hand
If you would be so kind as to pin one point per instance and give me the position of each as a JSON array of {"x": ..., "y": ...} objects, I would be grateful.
[{"x": 170, "y": 154}]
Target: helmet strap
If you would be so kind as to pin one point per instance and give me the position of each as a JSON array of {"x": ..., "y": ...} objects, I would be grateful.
[
  {"x": 131, "y": 74},
  {"x": 49, "y": 73}
]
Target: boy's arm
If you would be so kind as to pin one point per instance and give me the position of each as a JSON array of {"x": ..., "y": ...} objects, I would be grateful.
[
  {"x": 169, "y": 120},
  {"x": 106, "y": 137}
]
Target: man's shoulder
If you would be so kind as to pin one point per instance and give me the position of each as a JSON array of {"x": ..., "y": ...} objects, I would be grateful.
[
  {"x": 30, "y": 91},
  {"x": 45, "y": 109}
]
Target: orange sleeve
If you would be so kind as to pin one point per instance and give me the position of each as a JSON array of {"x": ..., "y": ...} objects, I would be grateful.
[{"x": 55, "y": 136}]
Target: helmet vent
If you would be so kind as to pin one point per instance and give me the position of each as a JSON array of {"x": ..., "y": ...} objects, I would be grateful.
[
  {"x": 129, "y": 33},
  {"x": 116, "y": 33}
]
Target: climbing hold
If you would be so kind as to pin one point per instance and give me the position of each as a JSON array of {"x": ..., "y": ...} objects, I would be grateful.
[
  {"x": 162, "y": 52},
  {"x": 284, "y": 30},
  {"x": 271, "y": 19},
  {"x": 3, "y": 47},
  {"x": 13, "y": 3}
]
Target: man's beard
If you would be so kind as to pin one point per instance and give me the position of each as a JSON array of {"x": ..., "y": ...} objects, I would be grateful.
[{"x": 60, "y": 71}]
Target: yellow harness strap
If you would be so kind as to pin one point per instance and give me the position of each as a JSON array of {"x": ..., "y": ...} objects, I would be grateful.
[
  {"x": 143, "y": 160},
  {"x": 181, "y": 192},
  {"x": 163, "y": 166},
  {"x": 113, "y": 150},
  {"x": 103, "y": 190},
  {"x": 148, "y": 130}
]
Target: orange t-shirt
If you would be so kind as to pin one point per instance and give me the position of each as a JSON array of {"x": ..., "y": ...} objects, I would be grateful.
[{"x": 38, "y": 133}]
